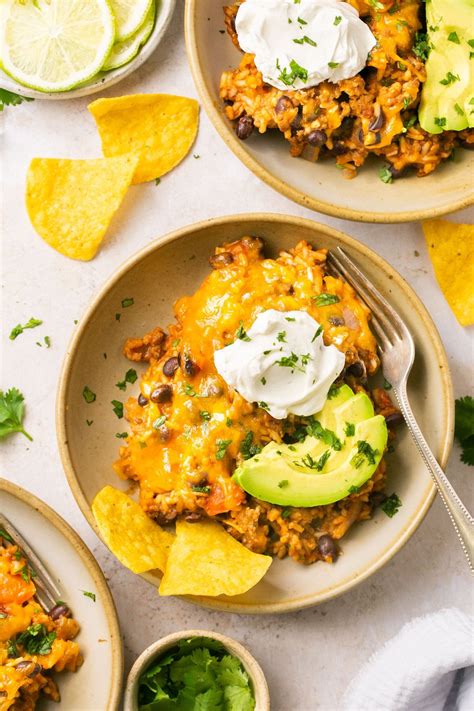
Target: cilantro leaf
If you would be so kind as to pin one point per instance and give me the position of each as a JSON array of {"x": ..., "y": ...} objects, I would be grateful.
[
  {"x": 391, "y": 505},
  {"x": 19, "y": 328},
  {"x": 464, "y": 427},
  {"x": 11, "y": 413},
  {"x": 8, "y": 98}
]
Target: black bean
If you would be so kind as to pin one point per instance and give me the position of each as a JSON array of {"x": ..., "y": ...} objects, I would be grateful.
[
  {"x": 171, "y": 366},
  {"x": 283, "y": 103},
  {"x": 336, "y": 320},
  {"x": 162, "y": 393},
  {"x": 317, "y": 138},
  {"x": 378, "y": 120},
  {"x": 327, "y": 547},
  {"x": 343, "y": 96},
  {"x": 223, "y": 259},
  {"x": 244, "y": 127},
  {"x": 59, "y": 610},
  {"x": 190, "y": 368},
  {"x": 357, "y": 369},
  {"x": 394, "y": 419},
  {"x": 339, "y": 148},
  {"x": 142, "y": 401},
  {"x": 29, "y": 668},
  {"x": 296, "y": 123}
]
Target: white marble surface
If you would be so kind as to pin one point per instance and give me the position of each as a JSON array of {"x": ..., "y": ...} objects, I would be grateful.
[{"x": 308, "y": 657}]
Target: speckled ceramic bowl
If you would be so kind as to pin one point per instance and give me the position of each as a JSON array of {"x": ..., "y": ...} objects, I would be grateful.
[
  {"x": 97, "y": 683},
  {"x": 103, "y": 80},
  {"x": 318, "y": 186},
  {"x": 250, "y": 664},
  {"x": 175, "y": 265}
]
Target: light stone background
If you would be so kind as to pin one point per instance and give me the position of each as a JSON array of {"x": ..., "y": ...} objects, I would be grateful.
[{"x": 308, "y": 657}]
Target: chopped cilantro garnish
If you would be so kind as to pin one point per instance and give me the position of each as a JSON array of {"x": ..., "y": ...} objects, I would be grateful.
[
  {"x": 311, "y": 463},
  {"x": 354, "y": 489},
  {"x": 248, "y": 448},
  {"x": 88, "y": 395},
  {"x": 450, "y": 78},
  {"x": 121, "y": 435},
  {"x": 201, "y": 489},
  {"x": 364, "y": 451},
  {"x": 286, "y": 513},
  {"x": 221, "y": 447},
  {"x": 333, "y": 390},
  {"x": 19, "y": 328},
  {"x": 241, "y": 333},
  {"x": 453, "y": 37},
  {"x": 318, "y": 333},
  {"x": 92, "y": 595},
  {"x": 315, "y": 429},
  {"x": 205, "y": 415},
  {"x": 130, "y": 377},
  {"x": 129, "y": 301},
  {"x": 281, "y": 337},
  {"x": 440, "y": 121},
  {"x": 283, "y": 483},
  {"x": 385, "y": 175},
  {"x": 189, "y": 390},
  {"x": 34, "y": 640},
  {"x": 391, "y": 505},
  {"x": 337, "y": 20},
  {"x": 159, "y": 422},
  {"x": 349, "y": 429},
  {"x": 117, "y": 408},
  {"x": 325, "y": 299}
]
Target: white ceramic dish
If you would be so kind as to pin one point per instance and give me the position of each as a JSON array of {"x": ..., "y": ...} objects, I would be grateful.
[
  {"x": 317, "y": 186},
  {"x": 97, "y": 684},
  {"x": 175, "y": 265},
  {"x": 103, "y": 80},
  {"x": 250, "y": 664}
]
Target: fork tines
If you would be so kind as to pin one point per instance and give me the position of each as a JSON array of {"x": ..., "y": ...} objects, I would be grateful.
[
  {"x": 47, "y": 591},
  {"x": 388, "y": 326}
]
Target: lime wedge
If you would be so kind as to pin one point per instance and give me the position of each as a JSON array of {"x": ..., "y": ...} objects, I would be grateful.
[
  {"x": 129, "y": 16},
  {"x": 124, "y": 52},
  {"x": 54, "y": 45}
]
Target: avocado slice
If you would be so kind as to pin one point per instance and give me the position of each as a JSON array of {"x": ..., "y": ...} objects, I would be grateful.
[
  {"x": 325, "y": 468},
  {"x": 447, "y": 98}
]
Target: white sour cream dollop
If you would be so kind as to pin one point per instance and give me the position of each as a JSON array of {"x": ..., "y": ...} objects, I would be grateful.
[
  {"x": 281, "y": 363},
  {"x": 298, "y": 45}
]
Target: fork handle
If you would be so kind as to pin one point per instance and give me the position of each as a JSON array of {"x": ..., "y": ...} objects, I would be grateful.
[{"x": 460, "y": 517}]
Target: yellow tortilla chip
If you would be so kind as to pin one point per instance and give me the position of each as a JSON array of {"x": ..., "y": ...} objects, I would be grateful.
[
  {"x": 451, "y": 250},
  {"x": 161, "y": 128},
  {"x": 137, "y": 541},
  {"x": 71, "y": 202},
  {"x": 206, "y": 560}
]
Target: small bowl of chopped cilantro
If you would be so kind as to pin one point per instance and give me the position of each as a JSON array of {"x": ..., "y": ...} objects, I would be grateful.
[{"x": 196, "y": 669}]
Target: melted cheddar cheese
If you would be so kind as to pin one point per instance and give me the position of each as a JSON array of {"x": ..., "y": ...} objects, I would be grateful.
[{"x": 183, "y": 450}]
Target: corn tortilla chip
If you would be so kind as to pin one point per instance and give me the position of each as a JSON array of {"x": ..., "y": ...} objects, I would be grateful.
[
  {"x": 161, "y": 128},
  {"x": 451, "y": 250},
  {"x": 71, "y": 202},
  {"x": 206, "y": 560},
  {"x": 137, "y": 541}
]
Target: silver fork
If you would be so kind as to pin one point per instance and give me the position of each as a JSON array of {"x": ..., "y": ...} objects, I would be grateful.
[
  {"x": 397, "y": 352},
  {"x": 47, "y": 591}
]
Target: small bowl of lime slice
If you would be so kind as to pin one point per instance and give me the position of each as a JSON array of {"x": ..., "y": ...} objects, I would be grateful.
[{"x": 61, "y": 49}]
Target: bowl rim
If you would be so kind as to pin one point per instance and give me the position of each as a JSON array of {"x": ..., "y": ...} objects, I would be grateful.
[
  {"x": 362, "y": 251},
  {"x": 251, "y": 665},
  {"x": 98, "y": 576},
  {"x": 221, "y": 125},
  {"x": 162, "y": 21}
]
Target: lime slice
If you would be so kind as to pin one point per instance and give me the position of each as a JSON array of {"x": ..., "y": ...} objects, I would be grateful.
[
  {"x": 129, "y": 16},
  {"x": 54, "y": 45},
  {"x": 124, "y": 52}
]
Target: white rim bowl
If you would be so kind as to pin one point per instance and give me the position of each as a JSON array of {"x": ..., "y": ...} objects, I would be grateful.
[{"x": 103, "y": 80}]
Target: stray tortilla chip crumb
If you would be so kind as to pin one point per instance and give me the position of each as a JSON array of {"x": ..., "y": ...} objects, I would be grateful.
[
  {"x": 137, "y": 541},
  {"x": 72, "y": 202},
  {"x": 161, "y": 128},
  {"x": 206, "y": 560},
  {"x": 451, "y": 250}
]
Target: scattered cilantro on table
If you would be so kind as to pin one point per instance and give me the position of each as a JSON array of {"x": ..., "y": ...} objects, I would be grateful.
[
  {"x": 19, "y": 328},
  {"x": 8, "y": 98},
  {"x": 464, "y": 428},
  {"x": 12, "y": 410},
  {"x": 197, "y": 674}
]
